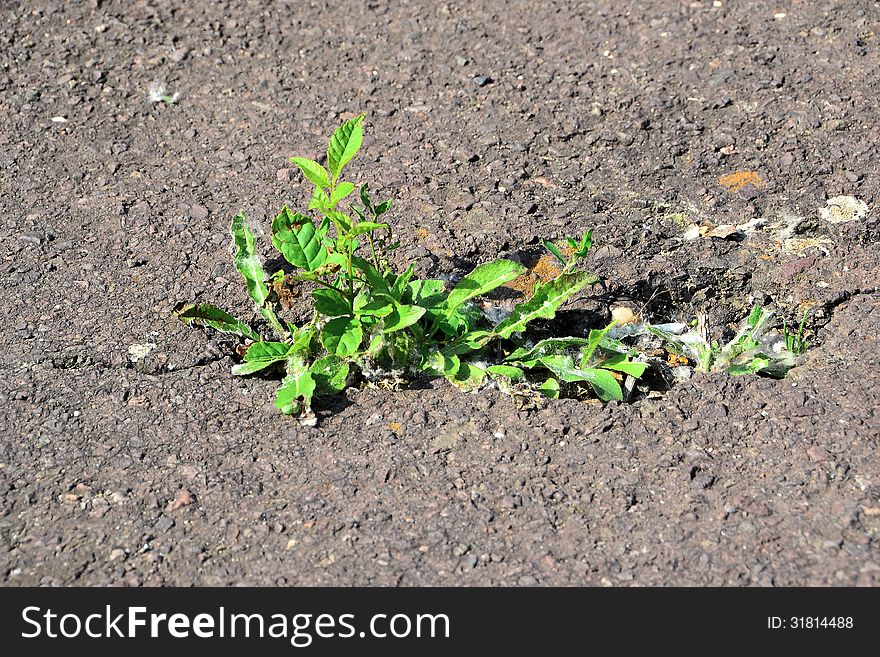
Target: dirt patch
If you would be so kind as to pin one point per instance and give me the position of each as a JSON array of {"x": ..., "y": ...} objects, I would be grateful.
[{"x": 122, "y": 464}]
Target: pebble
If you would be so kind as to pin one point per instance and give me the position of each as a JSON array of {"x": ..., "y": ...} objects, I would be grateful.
[
  {"x": 817, "y": 453},
  {"x": 198, "y": 212},
  {"x": 163, "y": 524},
  {"x": 482, "y": 80}
]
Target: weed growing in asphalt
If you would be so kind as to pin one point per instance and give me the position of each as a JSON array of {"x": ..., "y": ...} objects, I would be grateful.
[
  {"x": 368, "y": 317},
  {"x": 371, "y": 322},
  {"x": 796, "y": 343}
]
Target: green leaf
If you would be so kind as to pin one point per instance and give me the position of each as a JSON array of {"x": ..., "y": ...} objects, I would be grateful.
[
  {"x": 315, "y": 173},
  {"x": 342, "y": 190},
  {"x": 602, "y": 382},
  {"x": 295, "y": 394},
  {"x": 401, "y": 317},
  {"x": 330, "y": 374},
  {"x": 383, "y": 207},
  {"x": 205, "y": 314},
  {"x": 374, "y": 278},
  {"x": 330, "y": 303},
  {"x": 552, "y": 248},
  {"x": 596, "y": 337},
  {"x": 427, "y": 293},
  {"x": 320, "y": 200},
  {"x": 545, "y": 348},
  {"x": 439, "y": 364},
  {"x": 377, "y": 307},
  {"x": 341, "y": 220},
  {"x": 247, "y": 262},
  {"x": 298, "y": 240},
  {"x": 507, "y": 371},
  {"x": 586, "y": 244},
  {"x": 550, "y": 388},
  {"x": 261, "y": 355},
  {"x": 342, "y": 336},
  {"x": 344, "y": 144},
  {"x": 468, "y": 376},
  {"x": 621, "y": 363},
  {"x": 368, "y": 227},
  {"x": 365, "y": 197},
  {"x": 545, "y": 302},
  {"x": 471, "y": 341},
  {"x": 481, "y": 280},
  {"x": 401, "y": 282}
]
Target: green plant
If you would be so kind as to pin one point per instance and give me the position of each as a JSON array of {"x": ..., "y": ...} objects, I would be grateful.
[
  {"x": 752, "y": 350},
  {"x": 368, "y": 317},
  {"x": 796, "y": 343}
]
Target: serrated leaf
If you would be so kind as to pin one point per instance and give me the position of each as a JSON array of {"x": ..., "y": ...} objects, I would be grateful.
[
  {"x": 401, "y": 317},
  {"x": 342, "y": 336},
  {"x": 261, "y": 355},
  {"x": 620, "y": 363},
  {"x": 330, "y": 303},
  {"x": 342, "y": 190},
  {"x": 330, "y": 374},
  {"x": 296, "y": 391},
  {"x": 481, "y": 280},
  {"x": 298, "y": 240},
  {"x": 545, "y": 302},
  {"x": 344, "y": 144},
  {"x": 368, "y": 227},
  {"x": 507, "y": 371},
  {"x": 206, "y": 314},
  {"x": 248, "y": 264},
  {"x": 550, "y": 388},
  {"x": 314, "y": 172}
]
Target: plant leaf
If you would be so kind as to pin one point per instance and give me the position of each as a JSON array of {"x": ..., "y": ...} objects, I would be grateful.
[
  {"x": 206, "y": 314},
  {"x": 621, "y": 363},
  {"x": 298, "y": 240},
  {"x": 381, "y": 306},
  {"x": 261, "y": 355},
  {"x": 374, "y": 278},
  {"x": 330, "y": 374},
  {"x": 427, "y": 293},
  {"x": 439, "y": 364},
  {"x": 342, "y": 190},
  {"x": 602, "y": 382},
  {"x": 401, "y": 317},
  {"x": 330, "y": 302},
  {"x": 247, "y": 262},
  {"x": 545, "y": 348},
  {"x": 314, "y": 172},
  {"x": 552, "y": 248},
  {"x": 595, "y": 339},
  {"x": 507, "y": 371},
  {"x": 545, "y": 302},
  {"x": 297, "y": 388},
  {"x": 344, "y": 144},
  {"x": 481, "y": 280},
  {"x": 471, "y": 341},
  {"x": 342, "y": 336},
  {"x": 550, "y": 388},
  {"x": 468, "y": 376},
  {"x": 320, "y": 200},
  {"x": 368, "y": 227}
]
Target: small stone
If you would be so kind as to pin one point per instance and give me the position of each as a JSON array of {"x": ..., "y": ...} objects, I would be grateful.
[
  {"x": 461, "y": 61},
  {"x": 817, "y": 453},
  {"x": 182, "y": 498},
  {"x": 117, "y": 554},
  {"x": 198, "y": 212},
  {"x": 283, "y": 175},
  {"x": 482, "y": 80},
  {"x": 163, "y": 524}
]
